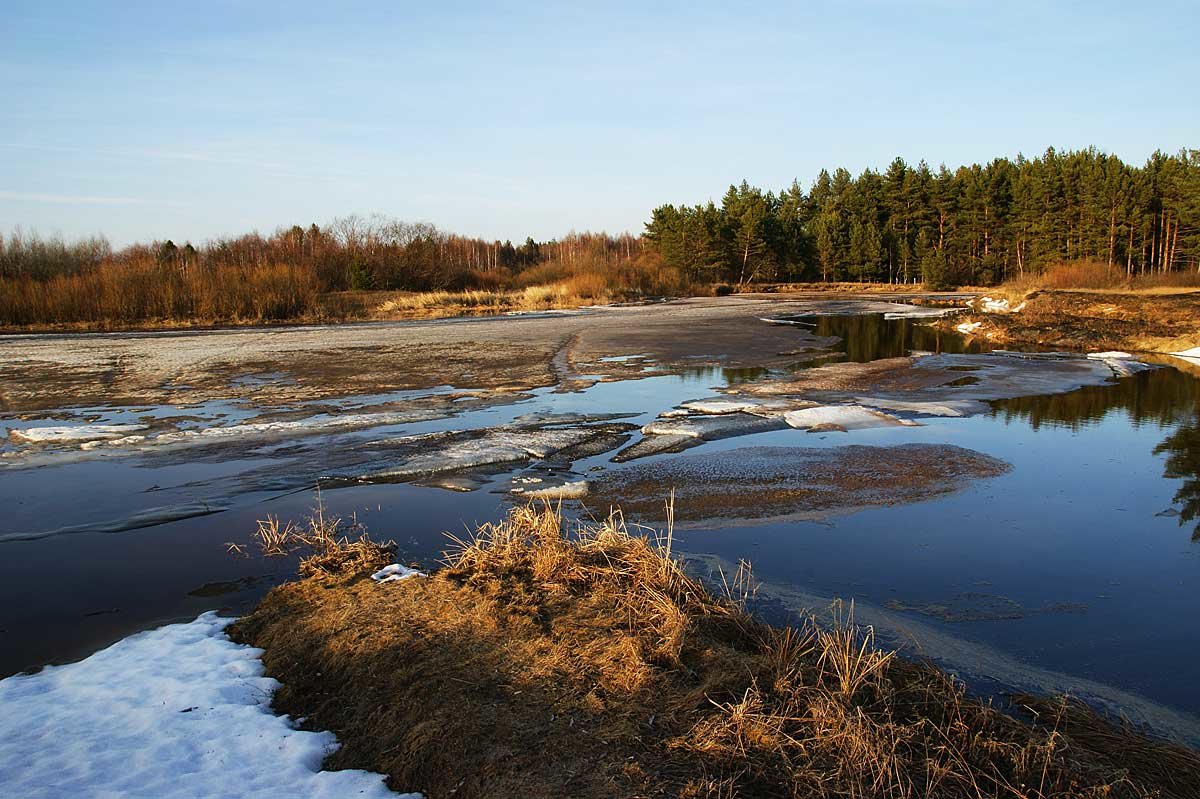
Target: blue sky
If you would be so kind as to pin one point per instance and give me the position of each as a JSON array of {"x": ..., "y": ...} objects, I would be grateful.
[{"x": 192, "y": 120}]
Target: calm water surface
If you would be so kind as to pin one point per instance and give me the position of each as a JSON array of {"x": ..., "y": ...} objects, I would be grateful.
[{"x": 1082, "y": 560}]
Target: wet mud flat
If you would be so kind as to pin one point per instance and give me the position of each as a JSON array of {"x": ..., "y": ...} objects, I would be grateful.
[
  {"x": 751, "y": 483},
  {"x": 803, "y": 416}
]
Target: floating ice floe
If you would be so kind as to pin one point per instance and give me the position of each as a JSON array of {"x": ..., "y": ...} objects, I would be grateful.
[
  {"x": 904, "y": 311},
  {"x": 70, "y": 433},
  {"x": 712, "y": 428},
  {"x": 720, "y": 406},
  {"x": 395, "y": 573},
  {"x": 948, "y": 408},
  {"x": 842, "y": 417},
  {"x": 575, "y": 490},
  {"x": 656, "y": 445},
  {"x": 448, "y": 452},
  {"x": 180, "y": 711},
  {"x": 1122, "y": 363},
  {"x": 106, "y": 437}
]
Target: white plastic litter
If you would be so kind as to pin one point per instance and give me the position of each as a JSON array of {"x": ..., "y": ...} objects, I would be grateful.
[{"x": 395, "y": 573}]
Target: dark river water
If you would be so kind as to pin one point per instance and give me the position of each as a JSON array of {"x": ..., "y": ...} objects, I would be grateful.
[{"x": 1079, "y": 568}]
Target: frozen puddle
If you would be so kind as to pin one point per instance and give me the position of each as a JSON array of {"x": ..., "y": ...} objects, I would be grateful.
[{"x": 180, "y": 711}]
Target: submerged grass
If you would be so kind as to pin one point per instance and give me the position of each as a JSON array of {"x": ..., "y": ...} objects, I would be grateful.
[{"x": 547, "y": 662}]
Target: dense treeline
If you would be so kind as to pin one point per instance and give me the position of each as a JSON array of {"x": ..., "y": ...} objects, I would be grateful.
[
  {"x": 286, "y": 275},
  {"x": 350, "y": 253},
  {"x": 976, "y": 224}
]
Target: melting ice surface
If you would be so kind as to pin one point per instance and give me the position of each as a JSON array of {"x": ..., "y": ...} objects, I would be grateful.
[{"x": 1077, "y": 567}]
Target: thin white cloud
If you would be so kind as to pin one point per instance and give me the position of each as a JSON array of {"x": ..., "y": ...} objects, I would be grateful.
[
  {"x": 72, "y": 199},
  {"x": 273, "y": 168}
]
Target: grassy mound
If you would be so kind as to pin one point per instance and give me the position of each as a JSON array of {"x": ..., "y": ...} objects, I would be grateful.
[{"x": 542, "y": 664}]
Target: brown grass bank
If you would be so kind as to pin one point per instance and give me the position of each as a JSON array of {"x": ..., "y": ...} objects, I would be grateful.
[
  {"x": 1091, "y": 306},
  {"x": 1094, "y": 320},
  {"x": 540, "y": 664}
]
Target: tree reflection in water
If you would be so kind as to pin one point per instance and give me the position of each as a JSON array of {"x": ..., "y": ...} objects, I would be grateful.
[
  {"x": 1183, "y": 462},
  {"x": 1165, "y": 397}
]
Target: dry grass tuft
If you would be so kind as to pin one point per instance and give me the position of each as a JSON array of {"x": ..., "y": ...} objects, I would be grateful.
[
  {"x": 325, "y": 543},
  {"x": 545, "y": 661}
]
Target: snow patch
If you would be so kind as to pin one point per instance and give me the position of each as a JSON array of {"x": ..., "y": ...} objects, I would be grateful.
[
  {"x": 180, "y": 711},
  {"x": 1192, "y": 354},
  {"x": 990, "y": 305},
  {"x": 967, "y": 328}
]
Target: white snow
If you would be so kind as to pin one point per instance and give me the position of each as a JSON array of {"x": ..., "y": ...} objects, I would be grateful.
[
  {"x": 990, "y": 305},
  {"x": 395, "y": 573},
  {"x": 846, "y": 417},
  {"x": 180, "y": 711},
  {"x": 1193, "y": 353},
  {"x": 968, "y": 328},
  {"x": 83, "y": 432},
  {"x": 577, "y": 490}
]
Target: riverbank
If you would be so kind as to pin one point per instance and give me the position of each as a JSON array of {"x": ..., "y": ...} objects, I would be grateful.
[
  {"x": 543, "y": 664},
  {"x": 1149, "y": 320},
  {"x": 348, "y": 307}
]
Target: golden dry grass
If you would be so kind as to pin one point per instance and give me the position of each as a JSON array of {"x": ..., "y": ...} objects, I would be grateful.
[
  {"x": 547, "y": 662},
  {"x": 327, "y": 545},
  {"x": 1099, "y": 276}
]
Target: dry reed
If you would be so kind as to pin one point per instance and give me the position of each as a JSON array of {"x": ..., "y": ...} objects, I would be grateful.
[{"x": 684, "y": 693}]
